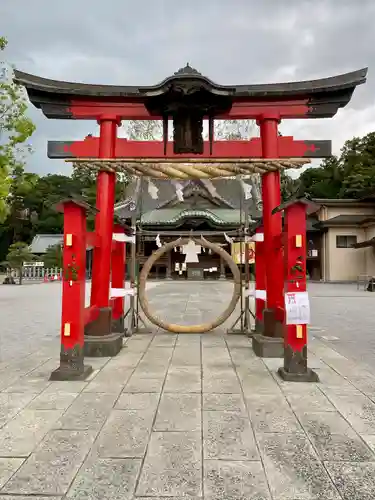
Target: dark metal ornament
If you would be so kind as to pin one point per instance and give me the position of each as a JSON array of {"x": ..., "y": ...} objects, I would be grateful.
[
  {"x": 187, "y": 98},
  {"x": 188, "y": 131}
]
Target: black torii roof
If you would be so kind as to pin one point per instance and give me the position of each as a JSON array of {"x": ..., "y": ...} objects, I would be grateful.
[{"x": 325, "y": 96}]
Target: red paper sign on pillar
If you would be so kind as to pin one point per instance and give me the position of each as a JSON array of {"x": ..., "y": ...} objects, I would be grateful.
[{"x": 297, "y": 308}]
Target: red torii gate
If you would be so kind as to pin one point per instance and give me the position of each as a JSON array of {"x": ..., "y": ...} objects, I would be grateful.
[{"x": 174, "y": 98}]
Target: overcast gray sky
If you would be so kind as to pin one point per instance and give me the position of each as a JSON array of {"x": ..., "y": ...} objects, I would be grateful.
[{"x": 231, "y": 41}]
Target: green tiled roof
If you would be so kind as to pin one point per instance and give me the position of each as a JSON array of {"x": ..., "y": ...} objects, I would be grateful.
[{"x": 220, "y": 216}]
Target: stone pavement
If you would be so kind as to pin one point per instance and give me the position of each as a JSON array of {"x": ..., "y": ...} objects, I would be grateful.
[
  {"x": 187, "y": 416},
  {"x": 346, "y": 313}
]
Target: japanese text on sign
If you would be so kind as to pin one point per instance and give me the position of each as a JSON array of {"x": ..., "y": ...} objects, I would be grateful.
[{"x": 297, "y": 308}]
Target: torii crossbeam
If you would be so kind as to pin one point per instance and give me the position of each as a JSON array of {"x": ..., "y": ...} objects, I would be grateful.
[{"x": 287, "y": 147}]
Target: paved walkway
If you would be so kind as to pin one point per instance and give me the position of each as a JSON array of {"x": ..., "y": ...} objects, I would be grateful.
[{"x": 185, "y": 416}]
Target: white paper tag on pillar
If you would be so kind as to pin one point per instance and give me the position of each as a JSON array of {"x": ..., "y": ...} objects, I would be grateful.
[
  {"x": 258, "y": 237},
  {"x": 122, "y": 292},
  {"x": 261, "y": 294},
  {"x": 297, "y": 308},
  {"x": 123, "y": 238}
]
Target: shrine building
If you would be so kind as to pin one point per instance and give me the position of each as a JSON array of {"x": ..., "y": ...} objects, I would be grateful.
[
  {"x": 340, "y": 235},
  {"x": 211, "y": 208}
]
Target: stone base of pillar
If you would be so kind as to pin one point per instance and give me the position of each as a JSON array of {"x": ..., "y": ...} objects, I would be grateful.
[
  {"x": 268, "y": 347},
  {"x": 168, "y": 278},
  {"x": 259, "y": 326},
  {"x": 271, "y": 326},
  {"x": 71, "y": 365},
  {"x": 308, "y": 376},
  {"x": 103, "y": 346},
  {"x": 62, "y": 373},
  {"x": 99, "y": 339},
  {"x": 295, "y": 366},
  {"x": 222, "y": 277},
  {"x": 101, "y": 325}
]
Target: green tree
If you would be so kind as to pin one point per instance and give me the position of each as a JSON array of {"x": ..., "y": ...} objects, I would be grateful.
[
  {"x": 350, "y": 175},
  {"x": 15, "y": 129},
  {"x": 21, "y": 213},
  {"x": 50, "y": 190},
  {"x": 289, "y": 186},
  {"x": 324, "y": 181},
  {"x": 358, "y": 167},
  {"x": 19, "y": 253},
  {"x": 85, "y": 179},
  {"x": 53, "y": 256}
]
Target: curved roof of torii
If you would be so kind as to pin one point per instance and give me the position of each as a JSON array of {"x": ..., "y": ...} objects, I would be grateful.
[{"x": 335, "y": 91}]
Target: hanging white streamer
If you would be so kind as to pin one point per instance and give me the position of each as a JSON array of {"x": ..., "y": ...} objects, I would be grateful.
[
  {"x": 158, "y": 242},
  {"x": 228, "y": 238},
  {"x": 247, "y": 188},
  {"x": 191, "y": 250},
  {"x": 179, "y": 190},
  {"x": 153, "y": 190},
  {"x": 210, "y": 187}
]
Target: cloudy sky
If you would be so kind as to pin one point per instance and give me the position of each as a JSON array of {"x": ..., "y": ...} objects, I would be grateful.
[{"x": 231, "y": 41}]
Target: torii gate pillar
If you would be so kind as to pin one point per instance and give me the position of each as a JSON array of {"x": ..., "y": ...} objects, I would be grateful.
[
  {"x": 269, "y": 344},
  {"x": 295, "y": 367},
  {"x": 100, "y": 340},
  {"x": 72, "y": 365}
]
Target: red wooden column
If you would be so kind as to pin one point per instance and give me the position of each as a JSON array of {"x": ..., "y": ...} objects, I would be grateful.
[
  {"x": 100, "y": 341},
  {"x": 105, "y": 199},
  {"x": 260, "y": 279},
  {"x": 118, "y": 280},
  {"x": 271, "y": 194},
  {"x": 270, "y": 343},
  {"x": 297, "y": 310},
  {"x": 73, "y": 293}
]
